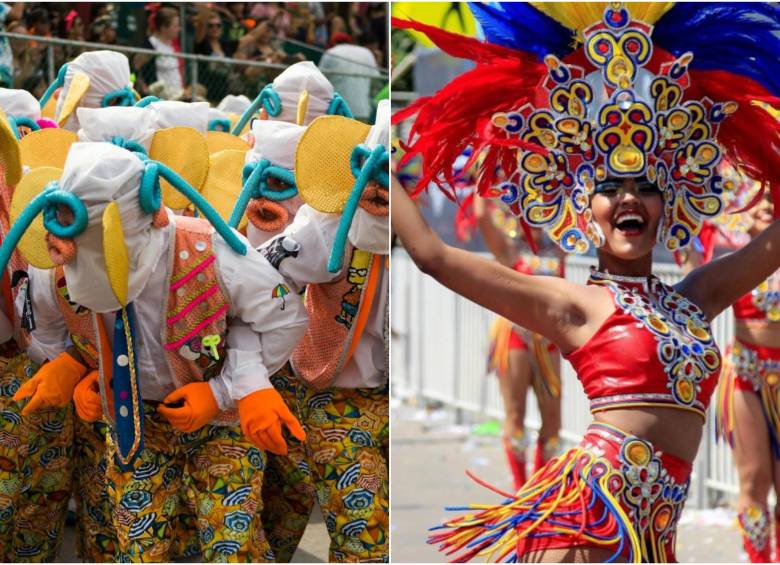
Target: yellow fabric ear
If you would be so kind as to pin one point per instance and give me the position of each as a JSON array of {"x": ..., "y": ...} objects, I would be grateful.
[
  {"x": 234, "y": 120},
  {"x": 222, "y": 140},
  {"x": 10, "y": 153},
  {"x": 32, "y": 245},
  {"x": 46, "y": 147},
  {"x": 76, "y": 91},
  {"x": 115, "y": 253},
  {"x": 224, "y": 183},
  {"x": 322, "y": 167},
  {"x": 184, "y": 150},
  {"x": 303, "y": 105},
  {"x": 50, "y": 108}
]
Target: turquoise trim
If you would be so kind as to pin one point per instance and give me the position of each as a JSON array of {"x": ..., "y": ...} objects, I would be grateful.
[
  {"x": 339, "y": 107},
  {"x": 22, "y": 121},
  {"x": 58, "y": 82},
  {"x": 255, "y": 177},
  {"x": 20, "y": 226},
  {"x": 145, "y": 101},
  {"x": 56, "y": 197},
  {"x": 128, "y": 144},
  {"x": 268, "y": 99},
  {"x": 366, "y": 165},
  {"x": 124, "y": 95},
  {"x": 230, "y": 236},
  {"x": 219, "y": 124},
  {"x": 150, "y": 194}
]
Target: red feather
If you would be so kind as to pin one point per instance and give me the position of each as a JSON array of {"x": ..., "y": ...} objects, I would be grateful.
[{"x": 459, "y": 115}]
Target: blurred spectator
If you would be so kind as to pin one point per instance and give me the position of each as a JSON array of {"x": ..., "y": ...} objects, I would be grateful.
[
  {"x": 164, "y": 27},
  {"x": 344, "y": 57},
  {"x": 103, "y": 30},
  {"x": 208, "y": 36},
  {"x": 8, "y": 13},
  {"x": 235, "y": 23}
]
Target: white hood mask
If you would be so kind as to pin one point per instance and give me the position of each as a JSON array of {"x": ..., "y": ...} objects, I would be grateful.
[
  {"x": 369, "y": 232},
  {"x": 107, "y": 70},
  {"x": 98, "y": 174},
  {"x": 19, "y": 103},
  {"x": 292, "y": 82},
  {"x": 102, "y": 124},
  {"x": 275, "y": 141},
  {"x": 171, "y": 113},
  {"x": 232, "y": 104}
]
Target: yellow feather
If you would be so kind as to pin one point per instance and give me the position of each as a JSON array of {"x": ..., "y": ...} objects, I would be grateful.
[
  {"x": 578, "y": 16},
  {"x": 76, "y": 91},
  {"x": 303, "y": 105},
  {"x": 115, "y": 253}
]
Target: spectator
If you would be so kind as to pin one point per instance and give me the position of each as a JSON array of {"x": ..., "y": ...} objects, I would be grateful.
[
  {"x": 344, "y": 57},
  {"x": 8, "y": 13},
  {"x": 214, "y": 75},
  {"x": 103, "y": 30},
  {"x": 164, "y": 27}
]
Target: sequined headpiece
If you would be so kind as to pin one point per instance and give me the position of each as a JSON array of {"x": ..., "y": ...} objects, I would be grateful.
[{"x": 610, "y": 104}]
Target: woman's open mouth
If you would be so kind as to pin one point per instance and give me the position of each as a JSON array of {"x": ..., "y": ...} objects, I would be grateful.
[{"x": 630, "y": 223}]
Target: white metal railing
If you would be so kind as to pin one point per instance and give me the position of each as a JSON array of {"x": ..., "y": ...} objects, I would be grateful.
[{"x": 439, "y": 350}]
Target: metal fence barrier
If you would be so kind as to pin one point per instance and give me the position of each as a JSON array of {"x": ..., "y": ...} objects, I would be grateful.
[
  {"x": 205, "y": 77},
  {"x": 439, "y": 348}
]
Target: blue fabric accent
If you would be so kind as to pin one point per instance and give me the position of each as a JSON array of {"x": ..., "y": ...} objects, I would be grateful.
[
  {"x": 339, "y": 107},
  {"x": 366, "y": 165},
  {"x": 123, "y": 96},
  {"x": 230, "y": 236},
  {"x": 146, "y": 100},
  {"x": 56, "y": 197},
  {"x": 58, "y": 82},
  {"x": 518, "y": 25},
  {"x": 14, "y": 128},
  {"x": 738, "y": 37},
  {"x": 24, "y": 121},
  {"x": 219, "y": 124},
  {"x": 268, "y": 99},
  {"x": 255, "y": 178},
  {"x": 124, "y": 401},
  {"x": 150, "y": 194},
  {"x": 128, "y": 144}
]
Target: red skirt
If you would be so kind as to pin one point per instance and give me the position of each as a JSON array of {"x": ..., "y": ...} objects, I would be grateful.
[{"x": 613, "y": 491}]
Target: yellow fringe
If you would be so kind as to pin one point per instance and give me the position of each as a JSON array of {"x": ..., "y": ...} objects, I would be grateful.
[{"x": 551, "y": 381}]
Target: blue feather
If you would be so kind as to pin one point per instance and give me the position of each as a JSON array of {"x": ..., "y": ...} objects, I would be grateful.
[
  {"x": 741, "y": 38},
  {"x": 520, "y": 26}
]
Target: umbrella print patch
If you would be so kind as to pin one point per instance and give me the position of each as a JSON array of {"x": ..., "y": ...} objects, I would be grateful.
[{"x": 280, "y": 291}]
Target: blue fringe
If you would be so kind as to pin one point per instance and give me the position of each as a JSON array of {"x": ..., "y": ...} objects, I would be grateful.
[
  {"x": 741, "y": 38},
  {"x": 520, "y": 26}
]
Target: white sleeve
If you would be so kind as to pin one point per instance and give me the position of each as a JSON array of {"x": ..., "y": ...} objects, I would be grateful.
[
  {"x": 302, "y": 251},
  {"x": 266, "y": 319},
  {"x": 50, "y": 336}
]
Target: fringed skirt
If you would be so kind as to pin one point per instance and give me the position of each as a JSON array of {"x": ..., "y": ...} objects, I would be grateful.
[{"x": 614, "y": 491}]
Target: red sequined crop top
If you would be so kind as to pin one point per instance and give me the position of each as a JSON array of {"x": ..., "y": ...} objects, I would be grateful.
[
  {"x": 655, "y": 349},
  {"x": 763, "y": 303}
]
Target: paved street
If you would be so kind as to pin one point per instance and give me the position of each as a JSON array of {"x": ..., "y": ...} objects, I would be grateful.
[{"x": 429, "y": 457}]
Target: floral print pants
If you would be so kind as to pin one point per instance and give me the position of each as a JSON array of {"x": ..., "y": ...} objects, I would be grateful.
[
  {"x": 220, "y": 472},
  {"x": 342, "y": 465}
]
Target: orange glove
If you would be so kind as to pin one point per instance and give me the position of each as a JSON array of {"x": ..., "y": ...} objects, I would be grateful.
[
  {"x": 86, "y": 397},
  {"x": 52, "y": 386},
  {"x": 262, "y": 414},
  {"x": 197, "y": 407}
]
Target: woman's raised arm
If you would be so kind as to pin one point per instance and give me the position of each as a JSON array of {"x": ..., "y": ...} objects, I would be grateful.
[
  {"x": 545, "y": 305},
  {"x": 717, "y": 285}
]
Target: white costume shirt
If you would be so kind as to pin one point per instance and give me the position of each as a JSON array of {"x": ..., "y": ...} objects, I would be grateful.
[
  {"x": 315, "y": 231},
  {"x": 248, "y": 280}
]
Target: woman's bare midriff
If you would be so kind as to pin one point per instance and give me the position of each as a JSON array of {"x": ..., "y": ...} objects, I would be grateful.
[
  {"x": 758, "y": 332},
  {"x": 673, "y": 431}
]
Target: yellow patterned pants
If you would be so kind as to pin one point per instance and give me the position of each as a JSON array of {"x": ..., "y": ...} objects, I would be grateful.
[
  {"x": 36, "y": 465},
  {"x": 221, "y": 473},
  {"x": 343, "y": 464}
]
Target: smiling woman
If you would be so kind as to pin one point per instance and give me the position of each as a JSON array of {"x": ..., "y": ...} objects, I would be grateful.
[{"x": 611, "y": 143}]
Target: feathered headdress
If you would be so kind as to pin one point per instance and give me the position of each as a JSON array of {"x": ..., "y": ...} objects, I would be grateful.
[{"x": 567, "y": 94}]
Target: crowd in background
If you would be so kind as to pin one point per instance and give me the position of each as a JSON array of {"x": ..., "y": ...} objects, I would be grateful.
[{"x": 341, "y": 37}]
